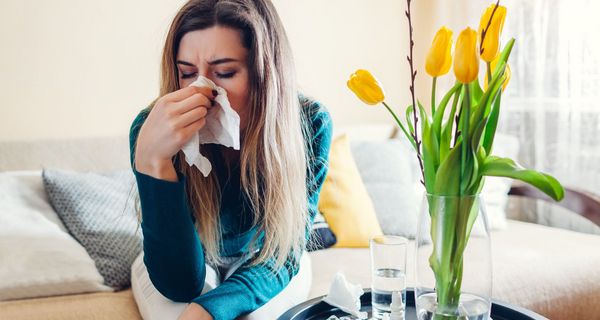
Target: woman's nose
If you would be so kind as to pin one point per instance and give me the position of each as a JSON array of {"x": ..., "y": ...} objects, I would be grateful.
[{"x": 204, "y": 73}]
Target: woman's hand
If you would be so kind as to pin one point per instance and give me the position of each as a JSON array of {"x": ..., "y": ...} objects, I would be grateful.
[
  {"x": 195, "y": 311},
  {"x": 172, "y": 122}
]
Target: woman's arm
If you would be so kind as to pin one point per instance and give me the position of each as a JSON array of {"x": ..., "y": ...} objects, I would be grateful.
[
  {"x": 248, "y": 288},
  {"x": 173, "y": 253}
]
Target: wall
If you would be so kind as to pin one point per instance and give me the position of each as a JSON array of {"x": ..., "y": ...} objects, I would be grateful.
[{"x": 80, "y": 68}]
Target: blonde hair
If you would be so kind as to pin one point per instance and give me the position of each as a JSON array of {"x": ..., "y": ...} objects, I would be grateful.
[{"x": 274, "y": 154}]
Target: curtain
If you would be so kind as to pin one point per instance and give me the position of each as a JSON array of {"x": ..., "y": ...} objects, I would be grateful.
[{"x": 552, "y": 101}]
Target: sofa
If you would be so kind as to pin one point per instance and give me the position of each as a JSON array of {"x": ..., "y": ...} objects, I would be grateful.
[{"x": 554, "y": 272}]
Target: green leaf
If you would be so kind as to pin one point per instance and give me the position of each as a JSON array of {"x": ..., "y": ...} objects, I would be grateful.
[
  {"x": 477, "y": 133},
  {"x": 490, "y": 129},
  {"x": 483, "y": 107},
  {"x": 505, "y": 167},
  {"x": 445, "y": 144},
  {"x": 477, "y": 183},
  {"x": 476, "y": 91},
  {"x": 448, "y": 175},
  {"x": 473, "y": 159},
  {"x": 439, "y": 114},
  {"x": 409, "y": 118},
  {"x": 446, "y": 137},
  {"x": 505, "y": 53},
  {"x": 430, "y": 150}
]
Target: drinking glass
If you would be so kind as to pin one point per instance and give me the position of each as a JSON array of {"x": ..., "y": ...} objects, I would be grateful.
[{"x": 388, "y": 277}]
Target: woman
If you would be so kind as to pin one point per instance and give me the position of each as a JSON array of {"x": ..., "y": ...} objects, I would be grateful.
[{"x": 231, "y": 244}]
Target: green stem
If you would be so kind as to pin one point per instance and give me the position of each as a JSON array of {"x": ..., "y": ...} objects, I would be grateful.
[
  {"x": 464, "y": 132},
  {"x": 489, "y": 73},
  {"x": 410, "y": 138},
  {"x": 433, "y": 96},
  {"x": 451, "y": 223}
]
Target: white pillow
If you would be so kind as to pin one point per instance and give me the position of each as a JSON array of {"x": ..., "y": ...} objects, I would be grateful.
[{"x": 37, "y": 256}]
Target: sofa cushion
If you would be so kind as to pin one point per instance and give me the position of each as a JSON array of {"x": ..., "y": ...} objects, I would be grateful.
[
  {"x": 98, "y": 210},
  {"x": 344, "y": 201},
  {"x": 37, "y": 255},
  {"x": 550, "y": 271},
  {"x": 387, "y": 177},
  {"x": 98, "y": 306},
  {"x": 321, "y": 236}
]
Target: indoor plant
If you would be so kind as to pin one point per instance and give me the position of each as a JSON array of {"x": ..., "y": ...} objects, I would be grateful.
[{"x": 454, "y": 143}]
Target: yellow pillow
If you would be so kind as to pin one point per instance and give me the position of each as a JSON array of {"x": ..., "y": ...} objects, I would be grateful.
[{"x": 344, "y": 201}]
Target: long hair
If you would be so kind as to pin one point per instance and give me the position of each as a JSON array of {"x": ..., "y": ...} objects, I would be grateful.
[{"x": 274, "y": 153}]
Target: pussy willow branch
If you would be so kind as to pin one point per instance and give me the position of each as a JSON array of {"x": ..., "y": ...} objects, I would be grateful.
[
  {"x": 485, "y": 30},
  {"x": 413, "y": 75}
]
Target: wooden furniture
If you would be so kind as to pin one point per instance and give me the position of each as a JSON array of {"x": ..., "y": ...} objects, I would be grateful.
[{"x": 582, "y": 203}]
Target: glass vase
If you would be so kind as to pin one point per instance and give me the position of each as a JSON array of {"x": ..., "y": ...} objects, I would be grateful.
[{"x": 453, "y": 259}]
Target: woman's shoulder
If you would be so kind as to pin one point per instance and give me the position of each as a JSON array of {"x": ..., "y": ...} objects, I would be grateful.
[
  {"x": 134, "y": 130},
  {"x": 317, "y": 114},
  {"x": 138, "y": 121},
  {"x": 320, "y": 126}
]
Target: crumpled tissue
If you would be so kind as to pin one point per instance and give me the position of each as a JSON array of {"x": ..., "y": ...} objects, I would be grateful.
[
  {"x": 345, "y": 296},
  {"x": 222, "y": 127}
]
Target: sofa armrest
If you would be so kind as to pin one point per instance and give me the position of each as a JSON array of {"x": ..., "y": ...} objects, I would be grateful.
[{"x": 582, "y": 203}]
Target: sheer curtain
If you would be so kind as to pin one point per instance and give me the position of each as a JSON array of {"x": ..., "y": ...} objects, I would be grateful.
[{"x": 552, "y": 101}]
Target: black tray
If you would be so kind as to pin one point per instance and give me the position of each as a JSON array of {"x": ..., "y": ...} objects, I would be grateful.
[{"x": 316, "y": 309}]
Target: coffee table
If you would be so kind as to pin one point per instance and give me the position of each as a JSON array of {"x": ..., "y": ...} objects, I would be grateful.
[{"x": 316, "y": 309}]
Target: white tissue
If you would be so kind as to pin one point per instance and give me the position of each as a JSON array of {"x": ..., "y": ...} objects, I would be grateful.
[
  {"x": 345, "y": 296},
  {"x": 222, "y": 127}
]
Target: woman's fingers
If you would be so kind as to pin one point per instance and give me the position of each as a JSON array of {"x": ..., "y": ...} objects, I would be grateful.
[
  {"x": 194, "y": 127},
  {"x": 194, "y": 101},
  {"x": 191, "y": 116},
  {"x": 208, "y": 92},
  {"x": 180, "y": 94}
]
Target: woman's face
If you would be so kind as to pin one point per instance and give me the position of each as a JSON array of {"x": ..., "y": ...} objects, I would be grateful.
[{"x": 218, "y": 54}]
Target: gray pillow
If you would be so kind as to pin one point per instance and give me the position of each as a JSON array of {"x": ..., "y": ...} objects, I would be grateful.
[
  {"x": 385, "y": 169},
  {"x": 98, "y": 211}
]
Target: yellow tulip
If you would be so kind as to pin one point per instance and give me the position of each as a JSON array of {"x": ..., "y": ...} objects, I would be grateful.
[
  {"x": 439, "y": 58},
  {"x": 491, "y": 43},
  {"x": 466, "y": 62},
  {"x": 506, "y": 73},
  {"x": 366, "y": 87}
]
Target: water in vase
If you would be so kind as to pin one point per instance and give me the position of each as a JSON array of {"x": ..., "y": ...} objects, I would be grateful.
[{"x": 471, "y": 307}]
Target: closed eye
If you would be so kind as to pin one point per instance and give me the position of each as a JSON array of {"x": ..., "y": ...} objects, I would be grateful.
[
  {"x": 189, "y": 75},
  {"x": 225, "y": 75},
  {"x": 219, "y": 75}
]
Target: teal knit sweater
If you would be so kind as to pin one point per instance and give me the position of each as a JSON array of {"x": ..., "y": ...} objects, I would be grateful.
[{"x": 173, "y": 252}]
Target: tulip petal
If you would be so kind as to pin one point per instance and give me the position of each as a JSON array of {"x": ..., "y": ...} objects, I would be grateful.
[
  {"x": 491, "y": 43},
  {"x": 466, "y": 62},
  {"x": 366, "y": 87},
  {"x": 439, "y": 57}
]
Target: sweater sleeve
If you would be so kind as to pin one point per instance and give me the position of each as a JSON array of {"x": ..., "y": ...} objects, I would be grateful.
[
  {"x": 250, "y": 287},
  {"x": 173, "y": 253}
]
